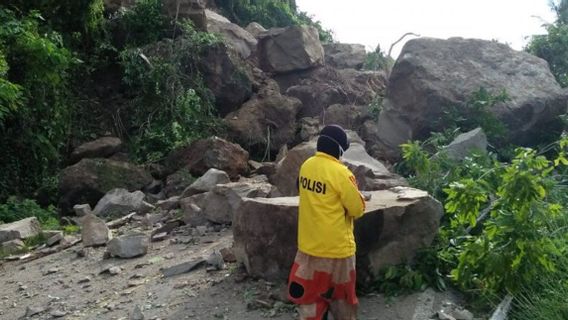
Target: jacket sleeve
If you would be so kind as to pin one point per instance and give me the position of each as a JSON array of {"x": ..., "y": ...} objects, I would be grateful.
[{"x": 351, "y": 198}]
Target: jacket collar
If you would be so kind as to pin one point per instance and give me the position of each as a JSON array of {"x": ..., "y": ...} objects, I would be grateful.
[{"x": 327, "y": 156}]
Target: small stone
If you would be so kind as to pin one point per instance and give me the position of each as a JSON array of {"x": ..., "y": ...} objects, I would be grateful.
[
  {"x": 58, "y": 313},
  {"x": 82, "y": 210},
  {"x": 228, "y": 255},
  {"x": 169, "y": 256},
  {"x": 54, "y": 239},
  {"x": 215, "y": 261},
  {"x": 32, "y": 311},
  {"x": 129, "y": 246},
  {"x": 114, "y": 270},
  {"x": 84, "y": 280},
  {"x": 159, "y": 237},
  {"x": 135, "y": 283},
  {"x": 136, "y": 314},
  {"x": 201, "y": 230},
  {"x": 81, "y": 253},
  {"x": 51, "y": 271}
]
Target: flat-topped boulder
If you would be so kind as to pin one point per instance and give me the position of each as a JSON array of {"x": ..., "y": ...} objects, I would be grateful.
[{"x": 397, "y": 223}]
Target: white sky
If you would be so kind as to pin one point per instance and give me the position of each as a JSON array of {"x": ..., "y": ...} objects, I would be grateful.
[{"x": 369, "y": 22}]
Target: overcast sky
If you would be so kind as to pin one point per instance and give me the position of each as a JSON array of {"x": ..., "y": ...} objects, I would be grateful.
[{"x": 369, "y": 22}]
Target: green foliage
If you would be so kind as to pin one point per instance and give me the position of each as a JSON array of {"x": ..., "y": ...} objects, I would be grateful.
[
  {"x": 553, "y": 46},
  {"x": 170, "y": 107},
  {"x": 377, "y": 60},
  {"x": 545, "y": 298},
  {"x": 144, "y": 23},
  {"x": 36, "y": 75},
  {"x": 504, "y": 227},
  {"x": 71, "y": 229},
  {"x": 15, "y": 209},
  {"x": 270, "y": 14},
  {"x": 515, "y": 246},
  {"x": 476, "y": 112},
  {"x": 375, "y": 107}
]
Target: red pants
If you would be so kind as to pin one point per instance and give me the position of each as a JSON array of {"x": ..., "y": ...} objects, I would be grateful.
[{"x": 322, "y": 285}]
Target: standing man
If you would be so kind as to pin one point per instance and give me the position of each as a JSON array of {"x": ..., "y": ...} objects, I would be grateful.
[{"x": 322, "y": 278}]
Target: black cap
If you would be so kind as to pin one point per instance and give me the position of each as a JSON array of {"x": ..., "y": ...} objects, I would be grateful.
[{"x": 331, "y": 138}]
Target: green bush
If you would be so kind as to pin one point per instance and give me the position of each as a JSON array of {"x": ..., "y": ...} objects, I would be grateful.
[
  {"x": 17, "y": 209},
  {"x": 270, "y": 14},
  {"x": 35, "y": 120},
  {"x": 377, "y": 60},
  {"x": 144, "y": 23},
  {"x": 171, "y": 106}
]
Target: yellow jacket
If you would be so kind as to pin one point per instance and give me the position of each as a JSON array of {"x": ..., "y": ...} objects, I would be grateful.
[{"x": 329, "y": 203}]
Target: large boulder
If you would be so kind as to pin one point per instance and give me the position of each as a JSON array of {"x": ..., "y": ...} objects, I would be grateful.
[
  {"x": 220, "y": 204},
  {"x": 322, "y": 87},
  {"x": 370, "y": 173},
  {"x": 100, "y": 148},
  {"x": 119, "y": 202},
  {"x": 265, "y": 232},
  {"x": 225, "y": 74},
  {"x": 20, "y": 230},
  {"x": 397, "y": 223},
  {"x": 290, "y": 49},
  {"x": 345, "y": 55},
  {"x": 265, "y": 121},
  {"x": 432, "y": 74},
  {"x": 90, "y": 179},
  {"x": 205, "y": 154},
  {"x": 236, "y": 37}
]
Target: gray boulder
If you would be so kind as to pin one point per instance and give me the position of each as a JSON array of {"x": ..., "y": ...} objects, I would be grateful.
[
  {"x": 120, "y": 202},
  {"x": 90, "y": 179},
  {"x": 264, "y": 121},
  {"x": 13, "y": 246},
  {"x": 226, "y": 75},
  {"x": 432, "y": 74},
  {"x": 192, "y": 214},
  {"x": 234, "y": 36},
  {"x": 345, "y": 55},
  {"x": 22, "y": 229},
  {"x": 290, "y": 49},
  {"x": 94, "y": 231},
  {"x": 220, "y": 204},
  {"x": 466, "y": 143},
  {"x": 213, "y": 152},
  {"x": 371, "y": 174},
  {"x": 205, "y": 183},
  {"x": 265, "y": 234},
  {"x": 396, "y": 225},
  {"x": 101, "y": 148},
  {"x": 129, "y": 246},
  {"x": 255, "y": 29}
]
